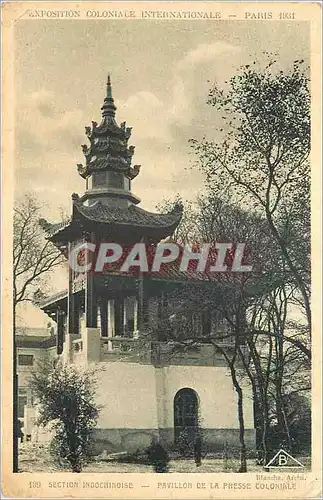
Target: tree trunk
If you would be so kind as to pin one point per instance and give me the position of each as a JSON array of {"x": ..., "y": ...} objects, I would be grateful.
[
  {"x": 289, "y": 439},
  {"x": 265, "y": 433},
  {"x": 259, "y": 387},
  {"x": 243, "y": 448},
  {"x": 283, "y": 427}
]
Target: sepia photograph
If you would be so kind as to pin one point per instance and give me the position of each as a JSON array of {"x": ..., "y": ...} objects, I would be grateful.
[{"x": 162, "y": 181}]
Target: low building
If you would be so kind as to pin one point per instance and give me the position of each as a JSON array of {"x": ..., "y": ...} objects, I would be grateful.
[{"x": 33, "y": 346}]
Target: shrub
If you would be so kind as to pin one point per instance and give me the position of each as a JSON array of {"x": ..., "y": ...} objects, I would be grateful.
[
  {"x": 158, "y": 456},
  {"x": 65, "y": 397}
]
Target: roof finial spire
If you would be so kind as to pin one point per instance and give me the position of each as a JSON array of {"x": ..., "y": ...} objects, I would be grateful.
[
  {"x": 109, "y": 88},
  {"x": 109, "y": 108}
]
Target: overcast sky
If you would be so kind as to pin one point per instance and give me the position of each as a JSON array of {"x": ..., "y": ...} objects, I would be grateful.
[{"x": 161, "y": 72}]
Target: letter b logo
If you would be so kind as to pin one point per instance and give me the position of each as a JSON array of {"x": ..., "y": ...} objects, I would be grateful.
[{"x": 282, "y": 459}]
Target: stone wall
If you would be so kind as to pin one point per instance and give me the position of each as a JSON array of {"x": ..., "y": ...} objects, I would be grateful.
[{"x": 130, "y": 440}]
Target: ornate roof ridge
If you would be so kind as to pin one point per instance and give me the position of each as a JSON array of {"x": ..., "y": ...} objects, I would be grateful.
[{"x": 110, "y": 162}]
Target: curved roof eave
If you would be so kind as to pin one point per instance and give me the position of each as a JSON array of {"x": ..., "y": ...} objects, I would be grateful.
[{"x": 99, "y": 213}]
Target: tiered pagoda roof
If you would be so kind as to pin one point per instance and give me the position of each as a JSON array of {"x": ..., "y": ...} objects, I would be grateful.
[
  {"x": 108, "y": 148},
  {"x": 110, "y": 210}
]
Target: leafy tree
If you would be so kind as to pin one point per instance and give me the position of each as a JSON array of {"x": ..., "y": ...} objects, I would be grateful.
[
  {"x": 257, "y": 180},
  {"x": 275, "y": 347},
  {"x": 277, "y": 366},
  {"x": 262, "y": 160},
  {"x": 66, "y": 401}
]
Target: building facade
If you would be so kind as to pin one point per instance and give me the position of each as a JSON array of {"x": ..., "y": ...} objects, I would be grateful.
[
  {"x": 33, "y": 346},
  {"x": 149, "y": 383}
]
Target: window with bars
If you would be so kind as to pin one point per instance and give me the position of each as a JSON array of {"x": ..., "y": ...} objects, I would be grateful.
[{"x": 185, "y": 411}]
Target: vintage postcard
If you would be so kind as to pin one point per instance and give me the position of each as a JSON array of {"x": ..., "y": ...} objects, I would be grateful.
[{"x": 161, "y": 264}]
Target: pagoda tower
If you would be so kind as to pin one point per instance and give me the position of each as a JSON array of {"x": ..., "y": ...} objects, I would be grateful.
[
  {"x": 115, "y": 319},
  {"x": 107, "y": 170},
  {"x": 108, "y": 211}
]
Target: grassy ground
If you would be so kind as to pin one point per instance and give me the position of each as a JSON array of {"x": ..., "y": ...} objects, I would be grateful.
[{"x": 36, "y": 458}]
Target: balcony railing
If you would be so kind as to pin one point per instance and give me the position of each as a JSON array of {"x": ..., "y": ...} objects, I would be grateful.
[
  {"x": 156, "y": 352},
  {"x": 91, "y": 347},
  {"x": 123, "y": 345}
]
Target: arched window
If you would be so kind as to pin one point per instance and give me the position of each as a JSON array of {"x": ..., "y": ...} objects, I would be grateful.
[{"x": 185, "y": 412}]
